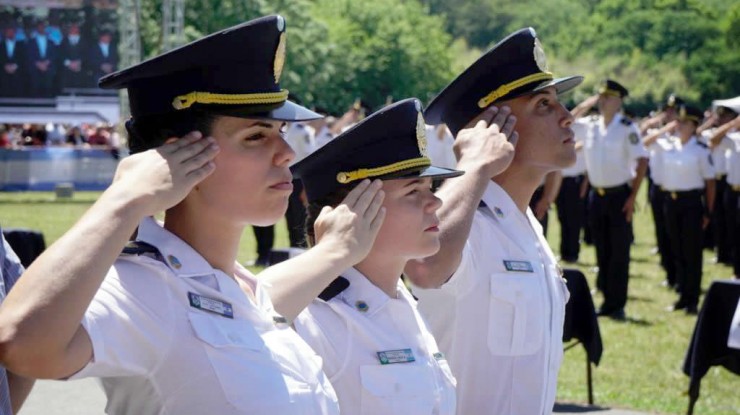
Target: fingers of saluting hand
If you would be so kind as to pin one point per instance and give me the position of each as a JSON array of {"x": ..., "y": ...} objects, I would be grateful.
[
  {"x": 508, "y": 128},
  {"x": 484, "y": 119},
  {"x": 173, "y": 144},
  {"x": 367, "y": 197},
  {"x": 351, "y": 199},
  {"x": 500, "y": 118}
]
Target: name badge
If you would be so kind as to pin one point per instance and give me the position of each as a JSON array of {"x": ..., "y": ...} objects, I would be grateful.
[
  {"x": 518, "y": 266},
  {"x": 396, "y": 356},
  {"x": 209, "y": 304}
]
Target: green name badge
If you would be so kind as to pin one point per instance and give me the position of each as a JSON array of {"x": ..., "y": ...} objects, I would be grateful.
[
  {"x": 518, "y": 266},
  {"x": 396, "y": 356}
]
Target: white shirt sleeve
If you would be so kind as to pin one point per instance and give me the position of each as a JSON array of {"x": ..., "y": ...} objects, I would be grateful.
[
  {"x": 326, "y": 333},
  {"x": 635, "y": 147},
  {"x": 706, "y": 166},
  {"x": 130, "y": 323}
]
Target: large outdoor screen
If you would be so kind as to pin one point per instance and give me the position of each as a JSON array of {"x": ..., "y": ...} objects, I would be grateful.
[{"x": 56, "y": 48}]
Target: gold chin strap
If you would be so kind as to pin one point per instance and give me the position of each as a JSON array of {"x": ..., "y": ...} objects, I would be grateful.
[
  {"x": 351, "y": 176},
  {"x": 186, "y": 101},
  {"x": 506, "y": 88}
]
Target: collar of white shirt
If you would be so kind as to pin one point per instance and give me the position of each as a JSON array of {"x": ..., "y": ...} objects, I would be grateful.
[
  {"x": 179, "y": 256},
  {"x": 363, "y": 294}
]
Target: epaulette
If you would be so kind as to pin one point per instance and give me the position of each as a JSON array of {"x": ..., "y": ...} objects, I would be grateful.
[
  {"x": 334, "y": 289},
  {"x": 626, "y": 121},
  {"x": 701, "y": 144},
  {"x": 139, "y": 248},
  {"x": 482, "y": 205}
]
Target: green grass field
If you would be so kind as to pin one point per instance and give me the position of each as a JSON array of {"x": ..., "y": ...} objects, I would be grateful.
[{"x": 641, "y": 365}]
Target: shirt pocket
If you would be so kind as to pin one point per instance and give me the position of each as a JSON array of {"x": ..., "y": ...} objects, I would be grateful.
[
  {"x": 250, "y": 379},
  {"x": 401, "y": 389},
  {"x": 516, "y": 314}
]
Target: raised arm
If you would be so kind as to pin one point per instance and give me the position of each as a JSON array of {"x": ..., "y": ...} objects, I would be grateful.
[
  {"x": 580, "y": 110},
  {"x": 345, "y": 235},
  {"x": 41, "y": 335},
  {"x": 651, "y": 138},
  {"x": 716, "y": 138},
  {"x": 483, "y": 151}
]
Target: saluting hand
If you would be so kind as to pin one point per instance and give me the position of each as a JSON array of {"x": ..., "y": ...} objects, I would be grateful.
[
  {"x": 489, "y": 145},
  {"x": 352, "y": 226},
  {"x": 160, "y": 178}
]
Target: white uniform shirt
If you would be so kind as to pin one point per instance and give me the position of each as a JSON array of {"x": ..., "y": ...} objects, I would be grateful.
[
  {"x": 656, "y": 151},
  {"x": 501, "y": 329},
  {"x": 440, "y": 149},
  {"x": 577, "y": 169},
  {"x": 686, "y": 166},
  {"x": 301, "y": 139},
  {"x": 351, "y": 342},
  {"x": 158, "y": 354},
  {"x": 733, "y": 159},
  {"x": 719, "y": 152},
  {"x": 611, "y": 152}
]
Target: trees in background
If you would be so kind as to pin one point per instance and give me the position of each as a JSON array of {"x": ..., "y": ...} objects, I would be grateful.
[{"x": 340, "y": 50}]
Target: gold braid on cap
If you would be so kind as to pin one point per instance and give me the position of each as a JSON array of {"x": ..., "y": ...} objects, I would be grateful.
[
  {"x": 186, "y": 101},
  {"x": 351, "y": 176},
  {"x": 506, "y": 88}
]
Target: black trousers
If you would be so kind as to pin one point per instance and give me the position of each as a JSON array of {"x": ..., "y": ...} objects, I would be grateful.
[
  {"x": 265, "y": 236},
  {"x": 571, "y": 214},
  {"x": 683, "y": 215},
  {"x": 611, "y": 235},
  {"x": 533, "y": 202},
  {"x": 720, "y": 225},
  {"x": 732, "y": 214},
  {"x": 657, "y": 205},
  {"x": 295, "y": 216}
]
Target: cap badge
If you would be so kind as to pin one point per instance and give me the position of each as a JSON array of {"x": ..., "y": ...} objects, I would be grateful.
[
  {"x": 279, "y": 58},
  {"x": 539, "y": 56},
  {"x": 682, "y": 112},
  {"x": 421, "y": 134}
]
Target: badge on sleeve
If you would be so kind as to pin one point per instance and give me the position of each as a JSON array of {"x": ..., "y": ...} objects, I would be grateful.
[
  {"x": 634, "y": 139},
  {"x": 396, "y": 356},
  {"x": 518, "y": 266},
  {"x": 221, "y": 308}
]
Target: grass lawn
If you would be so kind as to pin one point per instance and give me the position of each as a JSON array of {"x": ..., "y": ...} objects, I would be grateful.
[{"x": 641, "y": 365}]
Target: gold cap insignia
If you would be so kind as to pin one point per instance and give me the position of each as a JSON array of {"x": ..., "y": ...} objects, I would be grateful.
[
  {"x": 671, "y": 100},
  {"x": 279, "y": 58},
  {"x": 421, "y": 134},
  {"x": 539, "y": 56},
  {"x": 682, "y": 112}
]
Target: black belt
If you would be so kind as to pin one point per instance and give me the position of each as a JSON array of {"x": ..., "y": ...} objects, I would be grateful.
[
  {"x": 734, "y": 188},
  {"x": 680, "y": 194},
  {"x": 603, "y": 191}
]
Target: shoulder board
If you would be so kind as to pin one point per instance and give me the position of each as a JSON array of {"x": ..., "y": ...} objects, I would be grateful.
[
  {"x": 701, "y": 144},
  {"x": 482, "y": 205},
  {"x": 626, "y": 121},
  {"x": 334, "y": 289},
  {"x": 139, "y": 248}
]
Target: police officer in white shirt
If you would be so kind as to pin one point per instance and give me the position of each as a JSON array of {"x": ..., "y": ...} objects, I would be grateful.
[
  {"x": 656, "y": 194},
  {"x": 720, "y": 146},
  {"x": 176, "y": 326},
  {"x": 571, "y": 201},
  {"x": 439, "y": 146},
  {"x": 616, "y": 162},
  {"x": 731, "y": 129},
  {"x": 493, "y": 295},
  {"x": 687, "y": 175},
  {"x": 376, "y": 348},
  {"x": 301, "y": 138}
]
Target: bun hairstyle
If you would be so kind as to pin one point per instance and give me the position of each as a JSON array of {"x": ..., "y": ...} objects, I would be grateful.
[{"x": 149, "y": 132}]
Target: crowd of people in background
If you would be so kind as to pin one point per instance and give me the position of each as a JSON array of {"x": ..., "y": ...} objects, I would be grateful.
[{"x": 13, "y": 136}]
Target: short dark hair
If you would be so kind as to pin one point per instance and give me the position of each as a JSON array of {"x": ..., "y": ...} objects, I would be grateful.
[
  {"x": 313, "y": 209},
  {"x": 149, "y": 132}
]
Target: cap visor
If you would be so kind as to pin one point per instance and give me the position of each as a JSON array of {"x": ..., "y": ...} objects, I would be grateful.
[
  {"x": 562, "y": 85},
  {"x": 431, "y": 171},
  {"x": 285, "y": 111}
]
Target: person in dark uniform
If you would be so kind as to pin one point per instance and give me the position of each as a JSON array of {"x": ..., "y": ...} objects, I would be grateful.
[
  {"x": 616, "y": 162},
  {"x": 13, "y": 69},
  {"x": 656, "y": 194},
  {"x": 73, "y": 69},
  {"x": 102, "y": 55},
  {"x": 687, "y": 175},
  {"x": 42, "y": 60}
]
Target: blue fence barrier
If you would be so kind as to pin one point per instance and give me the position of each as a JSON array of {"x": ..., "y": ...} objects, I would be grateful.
[{"x": 42, "y": 169}]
